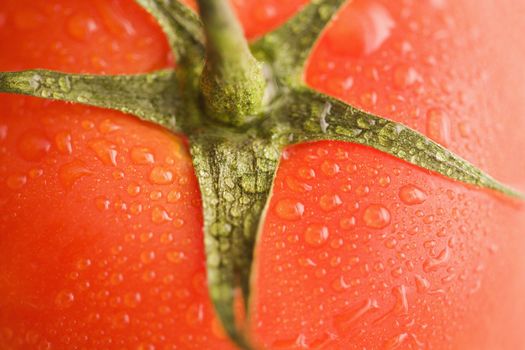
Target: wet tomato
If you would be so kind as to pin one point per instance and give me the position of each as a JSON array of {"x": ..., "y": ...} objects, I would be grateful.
[{"x": 101, "y": 242}]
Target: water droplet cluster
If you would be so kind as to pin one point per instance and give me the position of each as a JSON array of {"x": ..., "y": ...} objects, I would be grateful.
[
  {"x": 415, "y": 62},
  {"x": 380, "y": 253}
]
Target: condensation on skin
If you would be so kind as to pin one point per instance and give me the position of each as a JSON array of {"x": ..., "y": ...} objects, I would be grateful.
[
  {"x": 133, "y": 217},
  {"x": 382, "y": 264}
]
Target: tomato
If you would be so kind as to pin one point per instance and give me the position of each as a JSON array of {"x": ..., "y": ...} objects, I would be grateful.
[{"x": 101, "y": 218}]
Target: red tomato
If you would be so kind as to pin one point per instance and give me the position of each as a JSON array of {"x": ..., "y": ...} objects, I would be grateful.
[{"x": 100, "y": 215}]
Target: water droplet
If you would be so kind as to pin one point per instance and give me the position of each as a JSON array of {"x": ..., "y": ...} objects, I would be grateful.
[
  {"x": 438, "y": 126},
  {"x": 133, "y": 189},
  {"x": 105, "y": 151},
  {"x": 391, "y": 242},
  {"x": 296, "y": 185},
  {"x": 329, "y": 202},
  {"x": 166, "y": 238},
  {"x": 339, "y": 284},
  {"x": 147, "y": 257},
  {"x": 87, "y": 124},
  {"x": 175, "y": 256},
  {"x": 132, "y": 299},
  {"x": 330, "y": 168},
  {"x": 367, "y": 25},
  {"x": 16, "y": 182},
  {"x": 289, "y": 209},
  {"x": 306, "y": 173},
  {"x": 404, "y": 76},
  {"x": 379, "y": 267},
  {"x": 316, "y": 235},
  {"x": 142, "y": 156},
  {"x": 35, "y": 172},
  {"x": 433, "y": 264},
  {"x": 396, "y": 341},
  {"x": 178, "y": 222},
  {"x": 83, "y": 264},
  {"x": 159, "y": 215},
  {"x": 146, "y": 236},
  {"x": 347, "y": 223},
  {"x": 173, "y": 196},
  {"x": 397, "y": 272},
  {"x": 120, "y": 320},
  {"x": 80, "y": 26},
  {"x": 195, "y": 315},
  {"x": 64, "y": 299},
  {"x": 376, "y": 216},
  {"x": 161, "y": 176},
  {"x": 71, "y": 172},
  {"x": 412, "y": 195},
  {"x": 116, "y": 278},
  {"x": 344, "y": 321},
  {"x": 33, "y": 145},
  {"x": 401, "y": 306},
  {"x": 107, "y": 126},
  {"x": 102, "y": 203},
  {"x": 155, "y": 195},
  {"x": 63, "y": 142},
  {"x": 384, "y": 181},
  {"x": 362, "y": 190}
]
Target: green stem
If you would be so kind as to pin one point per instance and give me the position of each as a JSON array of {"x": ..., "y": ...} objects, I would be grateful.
[{"x": 232, "y": 81}]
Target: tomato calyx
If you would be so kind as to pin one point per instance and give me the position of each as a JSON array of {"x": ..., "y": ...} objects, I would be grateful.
[{"x": 240, "y": 105}]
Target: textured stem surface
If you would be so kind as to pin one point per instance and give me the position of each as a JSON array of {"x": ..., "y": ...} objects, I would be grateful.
[{"x": 232, "y": 81}]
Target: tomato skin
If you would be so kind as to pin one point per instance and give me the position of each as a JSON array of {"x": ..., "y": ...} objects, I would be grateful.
[
  {"x": 100, "y": 247},
  {"x": 380, "y": 257}
]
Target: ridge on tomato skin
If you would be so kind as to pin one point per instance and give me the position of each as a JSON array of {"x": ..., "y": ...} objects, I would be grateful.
[{"x": 287, "y": 337}]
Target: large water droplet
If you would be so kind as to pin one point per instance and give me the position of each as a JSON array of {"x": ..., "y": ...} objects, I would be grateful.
[
  {"x": 161, "y": 176},
  {"x": 329, "y": 202},
  {"x": 412, "y": 195},
  {"x": 376, "y": 216},
  {"x": 71, "y": 172},
  {"x": 316, "y": 235},
  {"x": 33, "y": 145},
  {"x": 105, "y": 151},
  {"x": 16, "y": 182},
  {"x": 63, "y": 142},
  {"x": 368, "y": 24},
  {"x": 289, "y": 209},
  {"x": 142, "y": 156}
]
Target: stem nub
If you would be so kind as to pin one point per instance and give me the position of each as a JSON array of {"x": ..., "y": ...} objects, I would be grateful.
[{"x": 232, "y": 81}]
